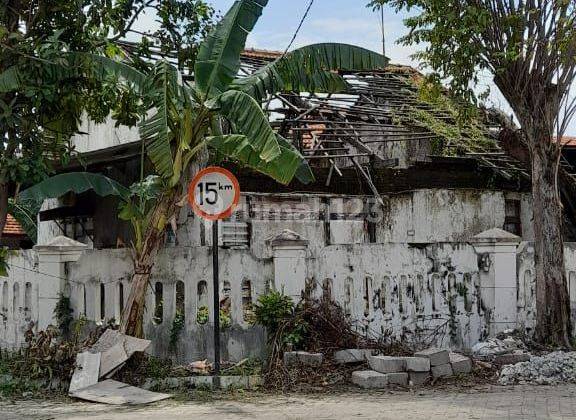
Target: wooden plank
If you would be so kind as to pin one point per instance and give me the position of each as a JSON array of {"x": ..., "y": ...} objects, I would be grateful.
[
  {"x": 86, "y": 372},
  {"x": 118, "y": 393}
]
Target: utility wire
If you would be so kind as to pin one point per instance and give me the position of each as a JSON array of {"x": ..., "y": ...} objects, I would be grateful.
[{"x": 299, "y": 27}]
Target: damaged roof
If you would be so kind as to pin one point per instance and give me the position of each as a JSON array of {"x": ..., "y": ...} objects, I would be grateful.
[{"x": 12, "y": 227}]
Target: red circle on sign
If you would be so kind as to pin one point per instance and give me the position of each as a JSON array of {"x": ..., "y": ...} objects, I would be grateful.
[{"x": 196, "y": 180}]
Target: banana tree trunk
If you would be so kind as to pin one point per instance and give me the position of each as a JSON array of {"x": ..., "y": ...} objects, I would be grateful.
[
  {"x": 132, "y": 317},
  {"x": 553, "y": 324}
]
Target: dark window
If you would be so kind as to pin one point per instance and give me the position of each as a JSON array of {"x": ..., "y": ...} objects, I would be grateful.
[
  {"x": 102, "y": 301},
  {"x": 159, "y": 303},
  {"x": 512, "y": 221}
]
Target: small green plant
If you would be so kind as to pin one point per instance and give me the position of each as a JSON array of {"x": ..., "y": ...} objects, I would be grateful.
[
  {"x": 272, "y": 309},
  {"x": 63, "y": 313},
  {"x": 203, "y": 316},
  {"x": 4, "y": 252},
  {"x": 177, "y": 328}
]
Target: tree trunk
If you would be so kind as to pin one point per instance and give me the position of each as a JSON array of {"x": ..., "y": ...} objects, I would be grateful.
[
  {"x": 552, "y": 302},
  {"x": 132, "y": 317},
  {"x": 4, "y": 194}
]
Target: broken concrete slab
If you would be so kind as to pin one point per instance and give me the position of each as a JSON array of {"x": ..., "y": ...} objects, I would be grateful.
[
  {"x": 418, "y": 378},
  {"x": 460, "y": 364},
  {"x": 442, "y": 371},
  {"x": 350, "y": 356},
  {"x": 86, "y": 372},
  {"x": 387, "y": 364},
  {"x": 303, "y": 358},
  {"x": 118, "y": 393},
  {"x": 113, "y": 358},
  {"x": 417, "y": 364},
  {"x": 437, "y": 356},
  {"x": 112, "y": 337},
  {"x": 398, "y": 378},
  {"x": 511, "y": 359},
  {"x": 369, "y": 379}
]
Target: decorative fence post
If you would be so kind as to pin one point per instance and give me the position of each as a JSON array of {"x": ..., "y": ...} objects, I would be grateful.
[
  {"x": 52, "y": 259},
  {"x": 290, "y": 270},
  {"x": 496, "y": 250}
]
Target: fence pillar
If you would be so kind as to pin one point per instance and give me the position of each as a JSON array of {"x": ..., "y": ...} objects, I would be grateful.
[
  {"x": 290, "y": 270},
  {"x": 52, "y": 259},
  {"x": 496, "y": 250}
]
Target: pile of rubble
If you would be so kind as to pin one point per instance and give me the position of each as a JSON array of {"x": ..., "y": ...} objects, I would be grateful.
[
  {"x": 389, "y": 370},
  {"x": 551, "y": 369},
  {"x": 505, "y": 349}
]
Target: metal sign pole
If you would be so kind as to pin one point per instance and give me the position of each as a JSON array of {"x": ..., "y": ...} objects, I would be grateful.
[{"x": 216, "y": 288}]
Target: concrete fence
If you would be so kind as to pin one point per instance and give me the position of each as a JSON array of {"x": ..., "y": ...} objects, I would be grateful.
[{"x": 449, "y": 294}]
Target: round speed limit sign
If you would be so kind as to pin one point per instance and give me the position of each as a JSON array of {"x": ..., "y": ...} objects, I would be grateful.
[{"x": 214, "y": 193}]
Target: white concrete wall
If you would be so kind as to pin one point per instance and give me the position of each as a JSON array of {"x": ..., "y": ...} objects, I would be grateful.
[
  {"x": 19, "y": 304},
  {"x": 102, "y": 136},
  {"x": 420, "y": 216},
  {"x": 446, "y": 294}
]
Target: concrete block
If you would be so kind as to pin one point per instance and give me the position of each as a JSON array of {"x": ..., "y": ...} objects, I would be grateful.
[
  {"x": 442, "y": 371},
  {"x": 418, "y": 378},
  {"x": 387, "y": 364},
  {"x": 369, "y": 379},
  {"x": 302, "y": 358},
  {"x": 437, "y": 356},
  {"x": 399, "y": 378},
  {"x": 417, "y": 364},
  {"x": 511, "y": 359},
  {"x": 351, "y": 356},
  {"x": 460, "y": 364}
]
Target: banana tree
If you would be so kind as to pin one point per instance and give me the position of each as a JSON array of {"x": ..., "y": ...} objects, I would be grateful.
[
  {"x": 221, "y": 112},
  {"x": 188, "y": 118}
]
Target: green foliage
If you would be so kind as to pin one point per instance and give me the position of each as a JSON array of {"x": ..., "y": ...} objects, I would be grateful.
[
  {"x": 157, "y": 368},
  {"x": 67, "y": 61},
  {"x": 458, "y": 126},
  {"x": 63, "y": 313},
  {"x": 4, "y": 253},
  {"x": 309, "y": 69},
  {"x": 138, "y": 208},
  {"x": 272, "y": 309},
  {"x": 30, "y": 200},
  {"x": 178, "y": 325},
  {"x": 218, "y": 60},
  {"x": 248, "y": 367},
  {"x": 203, "y": 316}
]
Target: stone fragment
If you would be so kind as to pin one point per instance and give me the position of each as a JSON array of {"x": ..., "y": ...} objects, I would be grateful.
[
  {"x": 417, "y": 364},
  {"x": 460, "y": 364},
  {"x": 387, "y": 364},
  {"x": 511, "y": 359},
  {"x": 369, "y": 379},
  {"x": 419, "y": 378},
  {"x": 437, "y": 356},
  {"x": 351, "y": 356},
  {"x": 442, "y": 371},
  {"x": 303, "y": 358},
  {"x": 398, "y": 378}
]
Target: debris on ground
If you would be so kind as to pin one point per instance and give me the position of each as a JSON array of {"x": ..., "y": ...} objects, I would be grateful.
[
  {"x": 102, "y": 360},
  {"x": 117, "y": 393},
  {"x": 316, "y": 359},
  {"x": 550, "y": 369},
  {"x": 506, "y": 348}
]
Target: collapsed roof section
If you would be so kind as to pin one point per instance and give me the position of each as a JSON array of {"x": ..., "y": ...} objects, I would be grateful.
[{"x": 385, "y": 118}]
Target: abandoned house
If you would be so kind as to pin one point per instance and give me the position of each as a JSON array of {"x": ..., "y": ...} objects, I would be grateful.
[{"x": 417, "y": 225}]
